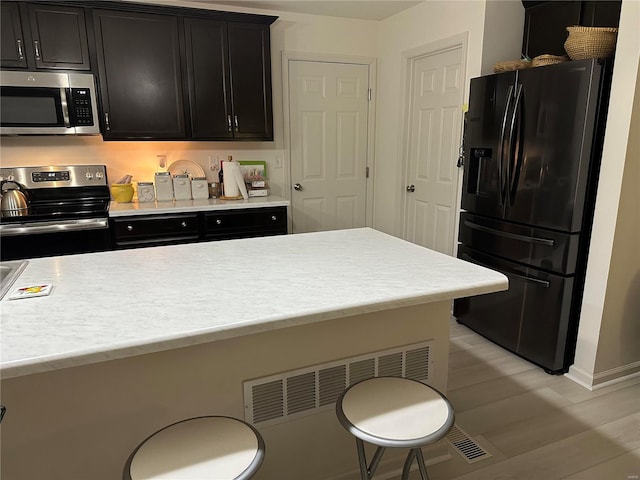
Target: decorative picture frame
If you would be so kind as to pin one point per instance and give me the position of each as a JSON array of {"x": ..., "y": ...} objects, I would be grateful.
[{"x": 252, "y": 169}]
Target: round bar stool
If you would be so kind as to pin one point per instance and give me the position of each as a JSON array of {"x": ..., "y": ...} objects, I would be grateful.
[
  {"x": 212, "y": 447},
  {"x": 394, "y": 412}
]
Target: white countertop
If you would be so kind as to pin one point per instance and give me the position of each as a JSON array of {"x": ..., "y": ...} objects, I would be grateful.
[
  {"x": 118, "y": 304},
  {"x": 178, "y": 206}
]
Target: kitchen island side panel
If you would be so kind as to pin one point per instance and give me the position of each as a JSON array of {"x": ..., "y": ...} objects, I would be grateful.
[{"x": 83, "y": 422}]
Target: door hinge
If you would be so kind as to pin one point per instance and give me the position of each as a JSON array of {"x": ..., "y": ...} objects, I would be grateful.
[
  {"x": 369, "y": 94},
  {"x": 367, "y": 173}
]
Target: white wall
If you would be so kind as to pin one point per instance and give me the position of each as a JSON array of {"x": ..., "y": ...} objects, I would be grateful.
[
  {"x": 494, "y": 32},
  {"x": 503, "y": 27},
  {"x": 607, "y": 344},
  {"x": 423, "y": 24}
]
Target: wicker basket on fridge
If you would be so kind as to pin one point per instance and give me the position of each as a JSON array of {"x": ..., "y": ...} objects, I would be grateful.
[
  {"x": 542, "y": 60},
  {"x": 510, "y": 65},
  {"x": 590, "y": 42}
]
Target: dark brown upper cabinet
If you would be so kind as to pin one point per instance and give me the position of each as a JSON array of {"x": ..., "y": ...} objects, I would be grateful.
[
  {"x": 250, "y": 67},
  {"x": 546, "y": 22},
  {"x": 166, "y": 74},
  {"x": 208, "y": 79},
  {"x": 229, "y": 80},
  {"x": 44, "y": 37},
  {"x": 140, "y": 73}
]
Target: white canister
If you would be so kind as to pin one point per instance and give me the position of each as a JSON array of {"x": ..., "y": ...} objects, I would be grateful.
[
  {"x": 181, "y": 187},
  {"x": 199, "y": 188},
  {"x": 164, "y": 186},
  {"x": 146, "y": 193}
]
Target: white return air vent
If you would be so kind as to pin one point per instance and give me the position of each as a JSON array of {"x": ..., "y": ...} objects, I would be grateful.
[{"x": 296, "y": 393}]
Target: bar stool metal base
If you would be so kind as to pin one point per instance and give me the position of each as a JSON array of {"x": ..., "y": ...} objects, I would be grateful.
[{"x": 394, "y": 412}]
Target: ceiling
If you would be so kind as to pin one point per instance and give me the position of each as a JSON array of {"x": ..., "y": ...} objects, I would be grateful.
[{"x": 360, "y": 9}]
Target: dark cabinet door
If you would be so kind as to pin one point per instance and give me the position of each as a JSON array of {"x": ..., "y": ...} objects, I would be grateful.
[
  {"x": 44, "y": 37},
  {"x": 59, "y": 37},
  {"x": 599, "y": 13},
  {"x": 208, "y": 79},
  {"x": 12, "y": 46},
  {"x": 229, "y": 80},
  {"x": 140, "y": 75},
  {"x": 250, "y": 63},
  {"x": 545, "y": 27}
]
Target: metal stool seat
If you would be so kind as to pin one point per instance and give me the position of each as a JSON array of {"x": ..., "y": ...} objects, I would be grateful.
[
  {"x": 394, "y": 412},
  {"x": 217, "y": 448}
]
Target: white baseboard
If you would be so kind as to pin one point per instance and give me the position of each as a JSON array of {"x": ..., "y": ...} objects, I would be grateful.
[{"x": 605, "y": 378}]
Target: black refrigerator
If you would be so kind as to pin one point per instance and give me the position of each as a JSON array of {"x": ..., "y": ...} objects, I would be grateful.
[{"x": 532, "y": 144}]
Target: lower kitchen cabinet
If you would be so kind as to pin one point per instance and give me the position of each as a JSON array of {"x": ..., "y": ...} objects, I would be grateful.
[
  {"x": 166, "y": 229},
  {"x": 250, "y": 222},
  {"x": 149, "y": 230}
]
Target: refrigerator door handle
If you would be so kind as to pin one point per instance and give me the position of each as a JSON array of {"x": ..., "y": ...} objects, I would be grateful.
[
  {"x": 513, "y": 236},
  {"x": 513, "y": 166},
  {"x": 526, "y": 278},
  {"x": 501, "y": 180}
]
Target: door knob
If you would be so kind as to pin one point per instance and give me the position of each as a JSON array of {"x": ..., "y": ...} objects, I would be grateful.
[
  {"x": 297, "y": 187},
  {"x": 411, "y": 188}
]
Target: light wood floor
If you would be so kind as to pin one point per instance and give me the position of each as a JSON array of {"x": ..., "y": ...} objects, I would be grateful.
[{"x": 536, "y": 426}]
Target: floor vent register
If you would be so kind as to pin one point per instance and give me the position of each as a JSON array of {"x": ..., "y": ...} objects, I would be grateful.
[{"x": 466, "y": 446}]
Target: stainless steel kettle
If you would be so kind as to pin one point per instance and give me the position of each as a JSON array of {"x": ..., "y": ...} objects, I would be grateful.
[{"x": 14, "y": 202}]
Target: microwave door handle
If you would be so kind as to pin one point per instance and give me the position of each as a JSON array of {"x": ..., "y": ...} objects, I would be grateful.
[{"x": 65, "y": 107}]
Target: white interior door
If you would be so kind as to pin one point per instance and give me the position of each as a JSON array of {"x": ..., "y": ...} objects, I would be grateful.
[
  {"x": 435, "y": 110},
  {"x": 328, "y": 117}
]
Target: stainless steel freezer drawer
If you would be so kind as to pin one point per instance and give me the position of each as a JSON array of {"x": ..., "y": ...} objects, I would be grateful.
[
  {"x": 532, "y": 318},
  {"x": 540, "y": 248}
]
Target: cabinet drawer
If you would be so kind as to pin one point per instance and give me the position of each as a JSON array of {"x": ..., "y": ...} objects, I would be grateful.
[
  {"x": 251, "y": 222},
  {"x": 155, "y": 229}
]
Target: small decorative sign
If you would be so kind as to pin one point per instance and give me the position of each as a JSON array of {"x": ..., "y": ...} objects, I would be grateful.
[{"x": 32, "y": 291}]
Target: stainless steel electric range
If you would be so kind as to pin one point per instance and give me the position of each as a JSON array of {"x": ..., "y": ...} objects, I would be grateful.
[{"x": 64, "y": 210}]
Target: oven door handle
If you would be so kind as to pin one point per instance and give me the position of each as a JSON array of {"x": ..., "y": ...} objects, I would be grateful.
[{"x": 60, "y": 226}]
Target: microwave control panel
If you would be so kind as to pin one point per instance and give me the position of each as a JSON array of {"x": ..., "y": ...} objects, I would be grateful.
[{"x": 81, "y": 111}]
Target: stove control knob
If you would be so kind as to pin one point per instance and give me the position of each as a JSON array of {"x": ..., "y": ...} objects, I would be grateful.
[
  {"x": 99, "y": 175},
  {"x": 89, "y": 176}
]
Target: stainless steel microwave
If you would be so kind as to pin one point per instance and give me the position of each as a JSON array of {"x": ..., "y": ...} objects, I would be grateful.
[{"x": 42, "y": 103}]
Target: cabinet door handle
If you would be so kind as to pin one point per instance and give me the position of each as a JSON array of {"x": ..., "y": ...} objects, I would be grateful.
[
  {"x": 235, "y": 118},
  {"x": 229, "y": 123},
  {"x": 274, "y": 218},
  {"x": 184, "y": 224},
  {"x": 20, "y": 51},
  {"x": 36, "y": 45},
  {"x": 106, "y": 121},
  {"x": 129, "y": 228},
  {"x": 218, "y": 222}
]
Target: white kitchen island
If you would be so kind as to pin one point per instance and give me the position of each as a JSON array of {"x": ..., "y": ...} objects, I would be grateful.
[{"x": 132, "y": 340}]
